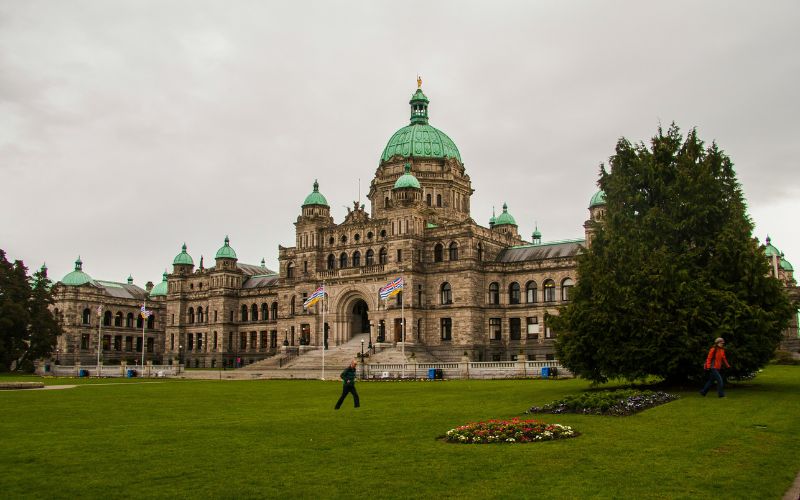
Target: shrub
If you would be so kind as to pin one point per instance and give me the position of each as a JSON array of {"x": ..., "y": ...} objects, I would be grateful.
[{"x": 785, "y": 358}]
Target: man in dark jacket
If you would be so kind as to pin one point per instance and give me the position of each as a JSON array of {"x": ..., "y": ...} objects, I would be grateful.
[{"x": 348, "y": 377}]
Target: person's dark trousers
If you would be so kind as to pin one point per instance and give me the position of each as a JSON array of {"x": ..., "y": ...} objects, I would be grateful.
[
  {"x": 345, "y": 389},
  {"x": 712, "y": 376}
]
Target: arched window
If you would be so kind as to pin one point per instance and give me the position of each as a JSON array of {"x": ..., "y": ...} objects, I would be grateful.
[
  {"x": 87, "y": 314},
  {"x": 513, "y": 293},
  {"x": 118, "y": 319},
  {"x": 200, "y": 315},
  {"x": 438, "y": 200},
  {"x": 566, "y": 289},
  {"x": 291, "y": 307},
  {"x": 494, "y": 294},
  {"x": 331, "y": 262},
  {"x": 264, "y": 312},
  {"x": 428, "y": 199},
  {"x": 343, "y": 260},
  {"x": 244, "y": 313},
  {"x": 549, "y": 291},
  {"x": 438, "y": 251},
  {"x": 107, "y": 318},
  {"x": 480, "y": 252},
  {"x": 190, "y": 315},
  {"x": 139, "y": 321},
  {"x": 151, "y": 323},
  {"x": 382, "y": 256},
  {"x": 356, "y": 258},
  {"x": 274, "y": 310},
  {"x": 446, "y": 293},
  {"x": 290, "y": 270},
  {"x": 452, "y": 251},
  {"x": 129, "y": 320},
  {"x": 530, "y": 292},
  {"x": 254, "y": 313},
  {"x": 386, "y": 202},
  {"x": 370, "y": 257}
]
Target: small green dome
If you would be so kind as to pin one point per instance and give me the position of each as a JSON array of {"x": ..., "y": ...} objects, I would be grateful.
[
  {"x": 770, "y": 250},
  {"x": 505, "y": 218},
  {"x": 786, "y": 266},
  {"x": 536, "y": 234},
  {"x": 420, "y": 140},
  {"x": 315, "y": 198},
  {"x": 160, "y": 290},
  {"x": 598, "y": 199},
  {"x": 226, "y": 252},
  {"x": 183, "y": 258},
  {"x": 77, "y": 277},
  {"x": 407, "y": 180}
]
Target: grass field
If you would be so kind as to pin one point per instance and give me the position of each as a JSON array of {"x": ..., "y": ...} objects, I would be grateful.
[{"x": 258, "y": 439}]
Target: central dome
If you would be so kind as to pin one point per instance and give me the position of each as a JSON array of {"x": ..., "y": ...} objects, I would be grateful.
[{"x": 420, "y": 140}]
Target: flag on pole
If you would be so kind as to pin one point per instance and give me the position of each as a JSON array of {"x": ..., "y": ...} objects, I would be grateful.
[
  {"x": 145, "y": 313},
  {"x": 99, "y": 310},
  {"x": 314, "y": 297},
  {"x": 391, "y": 288}
]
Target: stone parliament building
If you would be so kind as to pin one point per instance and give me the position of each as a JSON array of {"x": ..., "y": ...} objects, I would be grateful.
[{"x": 469, "y": 290}]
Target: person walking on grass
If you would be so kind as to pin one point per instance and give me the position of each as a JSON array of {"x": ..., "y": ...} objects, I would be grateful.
[
  {"x": 716, "y": 356},
  {"x": 348, "y": 377}
]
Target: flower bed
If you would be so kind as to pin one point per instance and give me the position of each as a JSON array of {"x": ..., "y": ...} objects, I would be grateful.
[
  {"x": 619, "y": 403},
  {"x": 508, "y": 431}
]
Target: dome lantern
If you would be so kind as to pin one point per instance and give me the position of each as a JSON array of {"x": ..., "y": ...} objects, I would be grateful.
[
  {"x": 505, "y": 218},
  {"x": 226, "y": 252},
  {"x": 77, "y": 277},
  {"x": 407, "y": 180},
  {"x": 315, "y": 198}
]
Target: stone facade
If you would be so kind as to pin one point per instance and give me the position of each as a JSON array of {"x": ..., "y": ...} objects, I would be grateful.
[{"x": 483, "y": 292}]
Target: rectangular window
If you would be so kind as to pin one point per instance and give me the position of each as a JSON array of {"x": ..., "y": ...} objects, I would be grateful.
[
  {"x": 495, "y": 330},
  {"x": 190, "y": 342},
  {"x": 243, "y": 341},
  {"x": 200, "y": 342},
  {"x": 273, "y": 339},
  {"x": 548, "y": 333},
  {"x": 532, "y": 328},
  {"x": 150, "y": 344},
  {"x": 171, "y": 341},
  {"x": 106, "y": 342},
  {"x": 447, "y": 329},
  {"x": 128, "y": 344},
  {"x": 253, "y": 340},
  {"x": 230, "y": 342},
  {"x": 399, "y": 255},
  {"x": 214, "y": 345},
  {"x": 514, "y": 328},
  {"x": 138, "y": 344},
  {"x": 85, "y": 341},
  {"x": 263, "y": 343},
  {"x": 118, "y": 343}
]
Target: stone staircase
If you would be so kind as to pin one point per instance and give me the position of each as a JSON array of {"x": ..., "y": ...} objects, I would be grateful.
[{"x": 336, "y": 357}]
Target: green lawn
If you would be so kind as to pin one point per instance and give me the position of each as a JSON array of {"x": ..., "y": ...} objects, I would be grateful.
[{"x": 283, "y": 439}]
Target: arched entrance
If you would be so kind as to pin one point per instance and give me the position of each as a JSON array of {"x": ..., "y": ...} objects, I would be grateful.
[{"x": 359, "y": 320}]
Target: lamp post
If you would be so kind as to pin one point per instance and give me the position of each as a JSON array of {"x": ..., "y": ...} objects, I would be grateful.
[
  {"x": 362, "y": 359},
  {"x": 371, "y": 327},
  {"x": 58, "y": 358},
  {"x": 180, "y": 354},
  {"x": 286, "y": 336}
]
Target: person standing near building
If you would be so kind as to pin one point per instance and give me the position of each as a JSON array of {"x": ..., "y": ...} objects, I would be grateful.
[
  {"x": 348, "y": 377},
  {"x": 716, "y": 356}
]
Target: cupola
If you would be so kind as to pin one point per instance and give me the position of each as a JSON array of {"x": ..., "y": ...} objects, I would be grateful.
[
  {"x": 77, "y": 277},
  {"x": 226, "y": 252},
  {"x": 160, "y": 290}
]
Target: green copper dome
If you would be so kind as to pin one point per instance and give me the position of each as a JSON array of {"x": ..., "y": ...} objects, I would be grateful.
[
  {"x": 407, "y": 180},
  {"x": 505, "y": 218},
  {"x": 160, "y": 290},
  {"x": 315, "y": 198},
  {"x": 420, "y": 140},
  {"x": 770, "y": 250},
  {"x": 77, "y": 277},
  {"x": 183, "y": 258},
  {"x": 598, "y": 199},
  {"x": 226, "y": 252},
  {"x": 536, "y": 234},
  {"x": 785, "y": 265}
]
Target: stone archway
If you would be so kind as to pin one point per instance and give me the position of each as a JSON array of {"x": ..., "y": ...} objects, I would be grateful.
[
  {"x": 359, "y": 319},
  {"x": 352, "y": 316}
]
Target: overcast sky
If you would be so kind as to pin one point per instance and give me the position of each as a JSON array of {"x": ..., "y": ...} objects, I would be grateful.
[{"x": 129, "y": 128}]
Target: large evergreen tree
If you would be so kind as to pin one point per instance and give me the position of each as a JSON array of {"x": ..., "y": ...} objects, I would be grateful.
[
  {"x": 28, "y": 330},
  {"x": 672, "y": 266}
]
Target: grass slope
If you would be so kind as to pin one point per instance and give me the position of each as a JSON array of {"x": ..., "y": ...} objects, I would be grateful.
[{"x": 283, "y": 438}]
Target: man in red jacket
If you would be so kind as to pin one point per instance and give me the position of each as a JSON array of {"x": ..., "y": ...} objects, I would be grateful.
[{"x": 716, "y": 356}]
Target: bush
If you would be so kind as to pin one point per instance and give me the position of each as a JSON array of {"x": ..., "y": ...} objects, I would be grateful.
[{"x": 621, "y": 402}]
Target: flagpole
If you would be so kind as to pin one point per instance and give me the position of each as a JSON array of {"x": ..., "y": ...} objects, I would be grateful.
[
  {"x": 403, "y": 324},
  {"x": 323, "y": 329},
  {"x": 144, "y": 322},
  {"x": 99, "y": 332}
]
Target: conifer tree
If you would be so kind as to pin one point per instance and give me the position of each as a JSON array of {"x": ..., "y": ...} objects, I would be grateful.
[
  {"x": 15, "y": 292},
  {"x": 44, "y": 328},
  {"x": 672, "y": 266}
]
